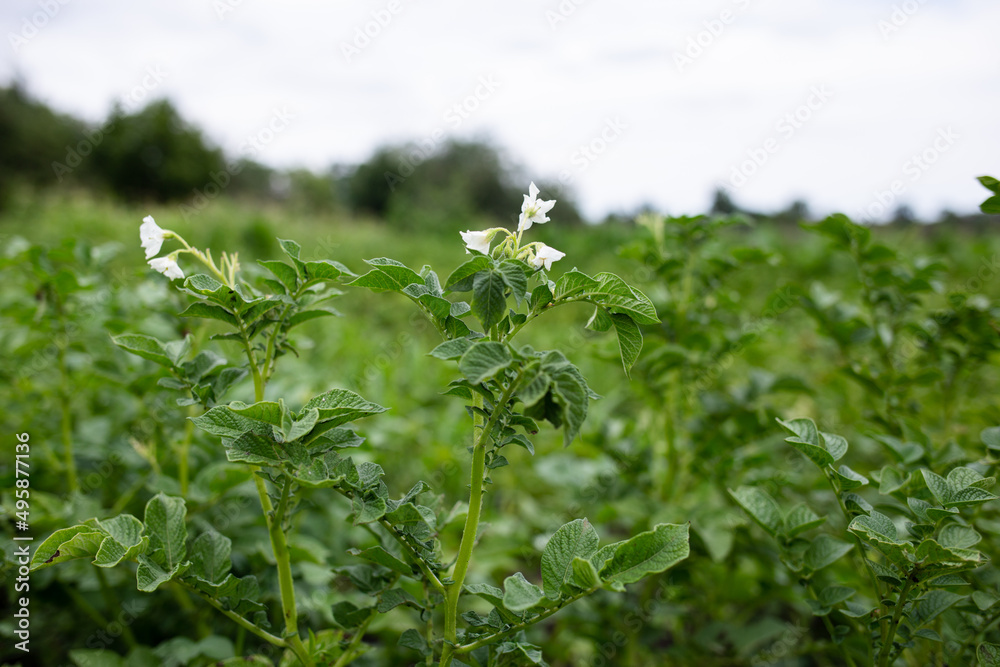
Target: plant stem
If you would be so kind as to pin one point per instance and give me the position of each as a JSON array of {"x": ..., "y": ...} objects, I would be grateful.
[
  {"x": 883, "y": 657},
  {"x": 468, "y": 543},
  {"x": 483, "y": 641},
  {"x": 285, "y": 583},
  {"x": 429, "y": 631},
  {"x": 274, "y": 520},
  {"x": 421, "y": 563},
  {"x": 829, "y": 628},
  {"x": 240, "y": 621},
  {"x": 350, "y": 652},
  {"x": 861, "y": 549}
]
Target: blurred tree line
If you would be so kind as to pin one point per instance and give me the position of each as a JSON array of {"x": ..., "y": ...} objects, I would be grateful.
[{"x": 153, "y": 154}]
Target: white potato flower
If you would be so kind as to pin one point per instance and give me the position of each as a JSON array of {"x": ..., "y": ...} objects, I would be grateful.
[
  {"x": 151, "y": 236},
  {"x": 544, "y": 256},
  {"x": 478, "y": 241},
  {"x": 534, "y": 209},
  {"x": 167, "y": 266}
]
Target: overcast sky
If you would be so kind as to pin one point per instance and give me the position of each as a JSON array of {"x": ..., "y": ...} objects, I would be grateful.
[{"x": 837, "y": 102}]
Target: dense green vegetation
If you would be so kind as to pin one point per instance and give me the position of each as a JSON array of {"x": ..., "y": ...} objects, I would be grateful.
[
  {"x": 864, "y": 539},
  {"x": 791, "y": 461}
]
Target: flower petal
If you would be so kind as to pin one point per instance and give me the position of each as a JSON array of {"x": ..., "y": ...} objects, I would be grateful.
[{"x": 151, "y": 236}]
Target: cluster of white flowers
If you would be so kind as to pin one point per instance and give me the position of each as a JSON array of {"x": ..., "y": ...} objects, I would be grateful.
[
  {"x": 533, "y": 211},
  {"x": 152, "y": 236}
]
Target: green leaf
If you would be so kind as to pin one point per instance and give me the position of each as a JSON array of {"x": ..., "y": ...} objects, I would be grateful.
[
  {"x": 339, "y": 406},
  {"x": 989, "y": 183},
  {"x": 988, "y": 655},
  {"x": 125, "y": 541},
  {"x": 832, "y": 595},
  {"x": 991, "y": 206},
  {"x": 534, "y": 386},
  {"x": 211, "y": 311},
  {"x": 416, "y": 520},
  {"x": 150, "y": 575},
  {"x": 512, "y": 273},
  {"x": 984, "y": 599},
  {"x": 761, "y": 508},
  {"x": 570, "y": 391},
  {"x": 210, "y": 556},
  {"x": 382, "y": 557},
  {"x": 573, "y": 283},
  {"x": 368, "y": 508},
  {"x": 223, "y": 421},
  {"x": 254, "y": 449},
  {"x": 488, "y": 302},
  {"x": 484, "y": 360},
  {"x": 800, "y": 519},
  {"x": 629, "y": 339},
  {"x": 541, "y": 297},
  {"x": 823, "y": 551},
  {"x": 847, "y": 479},
  {"x": 520, "y": 594},
  {"x": 146, "y": 347},
  {"x": 456, "y": 281},
  {"x": 879, "y": 531},
  {"x": 585, "y": 575},
  {"x": 821, "y": 448},
  {"x": 576, "y": 539},
  {"x": 395, "y": 597},
  {"x": 387, "y": 275},
  {"x": 81, "y": 541},
  {"x": 932, "y": 605},
  {"x": 286, "y": 274},
  {"x": 324, "y": 269},
  {"x": 167, "y": 531},
  {"x": 891, "y": 480},
  {"x": 991, "y": 438},
  {"x": 960, "y": 537},
  {"x": 307, "y": 315},
  {"x": 412, "y": 639},
  {"x": 451, "y": 349},
  {"x": 615, "y": 294},
  {"x": 600, "y": 320},
  {"x": 647, "y": 553}
]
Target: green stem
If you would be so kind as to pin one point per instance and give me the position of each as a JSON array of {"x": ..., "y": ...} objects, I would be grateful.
[
  {"x": 861, "y": 550},
  {"x": 421, "y": 563},
  {"x": 240, "y": 621},
  {"x": 829, "y": 628},
  {"x": 429, "y": 630},
  {"x": 274, "y": 520},
  {"x": 483, "y": 641},
  {"x": 285, "y": 583},
  {"x": 883, "y": 658},
  {"x": 454, "y": 591},
  {"x": 351, "y": 651}
]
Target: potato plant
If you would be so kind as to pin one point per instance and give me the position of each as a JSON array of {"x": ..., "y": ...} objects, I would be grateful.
[
  {"x": 290, "y": 446},
  {"x": 226, "y": 472}
]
